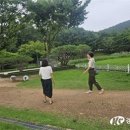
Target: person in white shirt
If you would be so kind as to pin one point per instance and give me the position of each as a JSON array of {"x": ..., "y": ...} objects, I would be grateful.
[
  {"x": 46, "y": 74},
  {"x": 92, "y": 72}
]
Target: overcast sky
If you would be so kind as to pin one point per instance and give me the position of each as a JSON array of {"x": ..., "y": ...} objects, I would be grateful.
[{"x": 106, "y": 13}]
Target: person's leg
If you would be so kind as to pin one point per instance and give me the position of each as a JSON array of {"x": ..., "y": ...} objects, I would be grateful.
[
  {"x": 90, "y": 83},
  {"x": 50, "y": 91},
  {"x": 43, "y": 84},
  {"x": 51, "y": 101},
  {"x": 45, "y": 98},
  {"x": 98, "y": 86}
]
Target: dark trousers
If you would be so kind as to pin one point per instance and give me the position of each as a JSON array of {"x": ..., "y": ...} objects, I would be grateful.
[{"x": 92, "y": 80}]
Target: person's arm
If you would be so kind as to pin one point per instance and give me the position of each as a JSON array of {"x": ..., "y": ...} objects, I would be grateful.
[
  {"x": 52, "y": 76},
  {"x": 40, "y": 74},
  {"x": 89, "y": 66},
  {"x": 87, "y": 70}
]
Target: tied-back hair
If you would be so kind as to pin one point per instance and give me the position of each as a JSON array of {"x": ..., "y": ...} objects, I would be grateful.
[
  {"x": 91, "y": 54},
  {"x": 44, "y": 63}
]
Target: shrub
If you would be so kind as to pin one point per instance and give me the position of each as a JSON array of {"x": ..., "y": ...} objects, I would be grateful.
[{"x": 8, "y": 58}]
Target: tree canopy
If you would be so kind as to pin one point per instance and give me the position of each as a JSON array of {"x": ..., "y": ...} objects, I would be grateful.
[
  {"x": 35, "y": 50},
  {"x": 13, "y": 18},
  {"x": 51, "y": 16}
]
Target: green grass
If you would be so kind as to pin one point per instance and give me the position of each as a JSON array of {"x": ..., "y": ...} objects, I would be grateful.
[
  {"x": 58, "y": 120},
  {"x": 116, "y": 59},
  {"x": 75, "y": 79},
  {"x": 7, "y": 126}
]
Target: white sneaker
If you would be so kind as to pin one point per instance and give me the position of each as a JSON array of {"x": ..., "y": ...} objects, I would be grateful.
[
  {"x": 89, "y": 92},
  {"x": 101, "y": 91}
]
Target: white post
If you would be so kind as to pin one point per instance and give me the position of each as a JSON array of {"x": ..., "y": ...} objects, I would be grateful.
[
  {"x": 128, "y": 71},
  {"x": 108, "y": 67},
  {"x": 40, "y": 63}
]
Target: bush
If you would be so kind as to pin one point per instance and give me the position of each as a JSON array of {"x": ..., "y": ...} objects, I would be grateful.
[
  {"x": 64, "y": 53},
  {"x": 68, "y": 52},
  {"x": 8, "y": 58},
  {"x": 83, "y": 50}
]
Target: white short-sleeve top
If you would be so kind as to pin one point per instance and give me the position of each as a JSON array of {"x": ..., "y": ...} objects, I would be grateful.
[
  {"x": 91, "y": 63},
  {"x": 45, "y": 72}
]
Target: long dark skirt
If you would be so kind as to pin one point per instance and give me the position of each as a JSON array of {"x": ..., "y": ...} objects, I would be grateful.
[{"x": 47, "y": 87}]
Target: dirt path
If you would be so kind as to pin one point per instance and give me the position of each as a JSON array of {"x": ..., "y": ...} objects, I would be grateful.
[{"x": 68, "y": 102}]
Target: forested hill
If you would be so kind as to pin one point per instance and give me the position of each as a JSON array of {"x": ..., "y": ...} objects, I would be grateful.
[{"x": 118, "y": 28}]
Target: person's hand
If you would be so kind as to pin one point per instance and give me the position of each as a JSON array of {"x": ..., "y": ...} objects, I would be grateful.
[
  {"x": 85, "y": 72},
  {"x": 53, "y": 83}
]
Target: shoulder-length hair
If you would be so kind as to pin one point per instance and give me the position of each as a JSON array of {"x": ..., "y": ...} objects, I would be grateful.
[
  {"x": 44, "y": 63},
  {"x": 91, "y": 54}
]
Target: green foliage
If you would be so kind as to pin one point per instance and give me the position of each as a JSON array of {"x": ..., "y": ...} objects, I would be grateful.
[
  {"x": 34, "y": 49},
  {"x": 8, "y": 58},
  {"x": 75, "y": 36},
  {"x": 51, "y": 16},
  {"x": 102, "y": 42},
  {"x": 27, "y": 34},
  {"x": 118, "y": 28},
  {"x": 64, "y": 53},
  {"x": 83, "y": 49},
  {"x": 122, "y": 41},
  {"x": 114, "y": 42},
  {"x": 13, "y": 18}
]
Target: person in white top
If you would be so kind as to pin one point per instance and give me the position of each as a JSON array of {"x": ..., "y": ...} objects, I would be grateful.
[
  {"x": 92, "y": 72},
  {"x": 46, "y": 74}
]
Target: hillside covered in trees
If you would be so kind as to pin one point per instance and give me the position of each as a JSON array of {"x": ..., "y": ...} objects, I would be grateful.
[{"x": 118, "y": 28}]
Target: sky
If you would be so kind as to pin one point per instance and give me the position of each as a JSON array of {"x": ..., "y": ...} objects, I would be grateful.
[{"x": 106, "y": 13}]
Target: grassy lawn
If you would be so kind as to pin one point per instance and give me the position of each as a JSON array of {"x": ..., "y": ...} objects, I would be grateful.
[
  {"x": 56, "y": 120},
  {"x": 117, "y": 61},
  {"x": 75, "y": 79},
  {"x": 112, "y": 61},
  {"x": 6, "y": 126}
]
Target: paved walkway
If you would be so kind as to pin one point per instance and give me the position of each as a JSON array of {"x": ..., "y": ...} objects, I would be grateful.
[{"x": 28, "y": 125}]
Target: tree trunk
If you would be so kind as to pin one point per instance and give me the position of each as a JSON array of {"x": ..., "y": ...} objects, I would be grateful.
[{"x": 37, "y": 59}]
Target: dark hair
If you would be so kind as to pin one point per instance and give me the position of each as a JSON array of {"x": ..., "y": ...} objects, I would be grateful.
[
  {"x": 90, "y": 54},
  {"x": 44, "y": 63}
]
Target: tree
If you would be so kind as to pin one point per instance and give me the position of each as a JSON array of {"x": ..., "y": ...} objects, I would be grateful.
[
  {"x": 64, "y": 53},
  {"x": 34, "y": 49},
  {"x": 13, "y": 18},
  {"x": 122, "y": 41},
  {"x": 106, "y": 44},
  {"x": 76, "y": 36},
  {"x": 51, "y": 16},
  {"x": 27, "y": 34}
]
